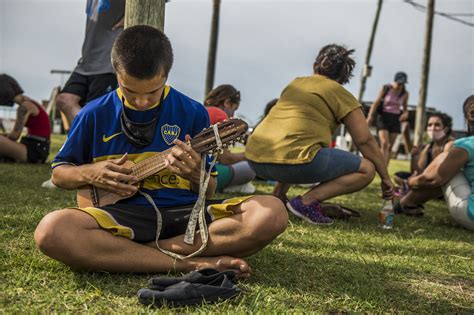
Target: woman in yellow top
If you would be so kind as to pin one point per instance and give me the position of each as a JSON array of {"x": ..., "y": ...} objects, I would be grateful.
[{"x": 291, "y": 144}]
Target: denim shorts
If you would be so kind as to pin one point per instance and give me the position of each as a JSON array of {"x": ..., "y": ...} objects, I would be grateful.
[{"x": 326, "y": 165}]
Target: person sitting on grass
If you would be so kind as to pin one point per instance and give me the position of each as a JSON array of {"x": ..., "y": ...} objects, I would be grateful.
[
  {"x": 428, "y": 185},
  {"x": 34, "y": 146},
  {"x": 291, "y": 144},
  {"x": 235, "y": 174},
  {"x": 142, "y": 117},
  {"x": 438, "y": 130}
]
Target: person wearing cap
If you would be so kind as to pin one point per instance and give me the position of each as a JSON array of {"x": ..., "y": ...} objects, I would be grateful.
[
  {"x": 235, "y": 174},
  {"x": 391, "y": 107},
  {"x": 34, "y": 147}
]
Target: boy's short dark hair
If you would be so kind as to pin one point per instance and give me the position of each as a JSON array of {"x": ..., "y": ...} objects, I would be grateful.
[
  {"x": 9, "y": 88},
  {"x": 143, "y": 52}
]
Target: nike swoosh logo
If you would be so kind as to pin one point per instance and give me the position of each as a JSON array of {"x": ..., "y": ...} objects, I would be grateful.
[{"x": 107, "y": 139}]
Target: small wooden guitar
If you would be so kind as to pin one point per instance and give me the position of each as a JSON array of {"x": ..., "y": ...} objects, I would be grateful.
[{"x": 229, "y": 131}]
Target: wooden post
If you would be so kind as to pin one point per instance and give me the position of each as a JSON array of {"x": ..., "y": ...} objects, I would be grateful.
[
  {"x": 420, "y": 119},
  {"x": 367, "y": 68},
  {"x": 211, "y": 58},
  {"x": 145, "y": 12}
]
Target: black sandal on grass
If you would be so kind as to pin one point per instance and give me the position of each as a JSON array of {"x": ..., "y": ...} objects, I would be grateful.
[
  {"x": 202, "y": 276},
  {"x": 337, "y": 211},
  {"x": 190, "y": 293}
]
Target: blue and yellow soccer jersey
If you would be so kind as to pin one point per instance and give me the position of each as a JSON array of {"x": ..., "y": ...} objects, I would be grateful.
[{"x": 96, "y": 135}]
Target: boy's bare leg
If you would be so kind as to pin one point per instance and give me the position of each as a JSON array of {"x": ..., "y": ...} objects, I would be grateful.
[
  {"x": 257, "y": 221},
  {"x": 74, "y": 238}
]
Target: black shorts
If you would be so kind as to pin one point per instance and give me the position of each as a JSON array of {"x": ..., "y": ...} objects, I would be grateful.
[
  {"x": 37, "y": 149},
  {"x": 138, "y": 223},
  {"x": 388, "y": 121},
  {"x": 89, "y": 87}
]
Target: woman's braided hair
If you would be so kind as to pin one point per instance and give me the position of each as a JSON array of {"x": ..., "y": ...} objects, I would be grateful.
[
  {"x": 470, "y": 124},
  {"x": 334, "y": 62},
  {"x": 218, "y": 95}
]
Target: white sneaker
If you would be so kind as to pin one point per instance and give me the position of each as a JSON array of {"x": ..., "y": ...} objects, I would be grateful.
[
  {"x": 247, "y": 188},
  {"x": 48, "y": 184}
]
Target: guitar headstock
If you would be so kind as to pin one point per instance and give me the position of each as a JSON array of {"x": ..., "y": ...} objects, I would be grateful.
[{"x": 230, "y": 131}]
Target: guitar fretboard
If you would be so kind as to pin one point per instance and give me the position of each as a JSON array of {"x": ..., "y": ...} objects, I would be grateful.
[
  {"x": 150, "y": 166},
  {"x": 203, "y": 142},
  {"x": 153, "y": 164}
]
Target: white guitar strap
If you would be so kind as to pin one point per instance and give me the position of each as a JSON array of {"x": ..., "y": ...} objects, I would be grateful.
[{"x": 197, "y": 213}]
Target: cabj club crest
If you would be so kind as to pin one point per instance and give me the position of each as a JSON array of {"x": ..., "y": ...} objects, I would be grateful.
[{"x": 169, "y": 133}]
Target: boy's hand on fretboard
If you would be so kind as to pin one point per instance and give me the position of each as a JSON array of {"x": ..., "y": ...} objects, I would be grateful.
[{"x": 184, "y": 161}]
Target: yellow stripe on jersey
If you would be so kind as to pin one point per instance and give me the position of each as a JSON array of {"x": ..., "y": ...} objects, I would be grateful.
[
  {"x": 166, "y": 179},
  {"x": 162, "y": 179}
]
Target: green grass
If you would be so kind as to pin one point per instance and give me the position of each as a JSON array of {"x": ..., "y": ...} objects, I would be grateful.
[{"x": 423, "y": 265}]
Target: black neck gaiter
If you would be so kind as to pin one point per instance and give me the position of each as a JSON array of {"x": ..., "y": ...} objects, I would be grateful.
[{"x": 139, "y": 134}]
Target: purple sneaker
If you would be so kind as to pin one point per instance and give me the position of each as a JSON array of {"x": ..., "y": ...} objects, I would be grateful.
[{"x": 311, "y": 213}]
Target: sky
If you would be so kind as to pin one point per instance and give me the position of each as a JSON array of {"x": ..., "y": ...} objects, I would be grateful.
[{"x": 262, "y": 46}]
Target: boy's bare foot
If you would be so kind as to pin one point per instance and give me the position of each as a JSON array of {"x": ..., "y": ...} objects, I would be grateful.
[{"x": 221, "y": 263}]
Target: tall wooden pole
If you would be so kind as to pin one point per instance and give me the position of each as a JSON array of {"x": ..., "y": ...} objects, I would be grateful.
[
  {"x": 425, "y": 71},
  {"x": 340, "y": 140},
  {"x": 211, "y": 58},
  {"x": 145, "y": 12},
  {"x": 367, "y": 67}
]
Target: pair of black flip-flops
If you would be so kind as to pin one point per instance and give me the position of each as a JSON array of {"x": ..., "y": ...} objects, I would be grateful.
[{"x": 196, "y": 287}]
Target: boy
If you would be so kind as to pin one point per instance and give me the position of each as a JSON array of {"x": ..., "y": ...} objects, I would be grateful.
[{"x": 133, "y": 119}]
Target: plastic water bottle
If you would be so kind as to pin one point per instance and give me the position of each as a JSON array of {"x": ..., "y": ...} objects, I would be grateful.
[{"x": 386, "y": 215}]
